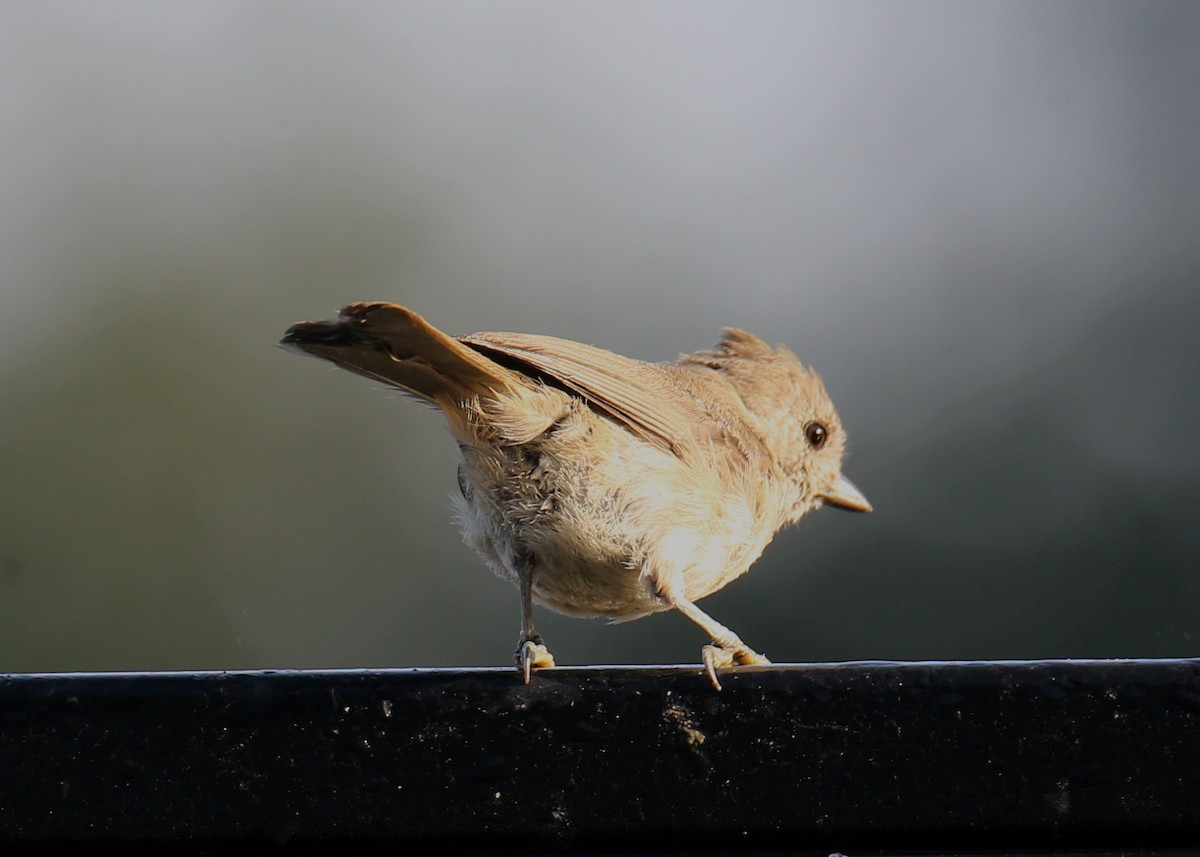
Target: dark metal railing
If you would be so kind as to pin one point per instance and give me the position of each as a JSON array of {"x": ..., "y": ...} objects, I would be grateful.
[{"x": 980, "y": 757}]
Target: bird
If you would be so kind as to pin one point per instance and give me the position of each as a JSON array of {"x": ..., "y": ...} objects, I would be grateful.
[{"x": 605, "y": 486}]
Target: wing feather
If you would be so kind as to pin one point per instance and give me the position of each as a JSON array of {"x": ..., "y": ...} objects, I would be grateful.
[{"x": 641, "y": 396}]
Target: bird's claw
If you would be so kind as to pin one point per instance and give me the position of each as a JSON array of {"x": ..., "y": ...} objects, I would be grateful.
[
  {"x": 532, "y": 654},
  {"x": 717, "y": 657}
]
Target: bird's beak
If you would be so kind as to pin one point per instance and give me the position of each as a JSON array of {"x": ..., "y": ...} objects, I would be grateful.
[{"x": 844, "y": 495}]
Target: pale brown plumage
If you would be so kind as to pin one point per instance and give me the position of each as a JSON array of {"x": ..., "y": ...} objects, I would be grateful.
[{"x": 602, "y": 485}]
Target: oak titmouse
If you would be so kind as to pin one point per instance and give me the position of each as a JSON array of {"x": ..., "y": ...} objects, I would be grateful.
[{"x": 601, "y": 485}]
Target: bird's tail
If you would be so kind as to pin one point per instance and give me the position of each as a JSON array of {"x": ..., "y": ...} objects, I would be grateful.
[{"x": 392, "y": 344}]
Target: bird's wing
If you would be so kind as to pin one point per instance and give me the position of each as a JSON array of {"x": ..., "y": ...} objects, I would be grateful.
[{"x": 641, "y": 396}]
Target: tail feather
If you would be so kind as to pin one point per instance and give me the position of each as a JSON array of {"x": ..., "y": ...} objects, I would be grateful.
[{"x": 393, "y": 344}]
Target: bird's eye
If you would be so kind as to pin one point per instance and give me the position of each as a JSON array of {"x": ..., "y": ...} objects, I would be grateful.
[{"x": 817, "y": 434}]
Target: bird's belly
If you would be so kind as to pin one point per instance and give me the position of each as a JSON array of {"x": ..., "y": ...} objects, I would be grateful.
[
  {"x": 580, "y": 565},
  {"x": 585, "y": 587}
]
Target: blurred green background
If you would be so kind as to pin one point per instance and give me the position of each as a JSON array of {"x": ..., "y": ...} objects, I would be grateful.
[{"x": 980, "y": 222}]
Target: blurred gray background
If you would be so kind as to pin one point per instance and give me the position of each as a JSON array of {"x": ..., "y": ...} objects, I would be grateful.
[{"x": 980, "y": 222}]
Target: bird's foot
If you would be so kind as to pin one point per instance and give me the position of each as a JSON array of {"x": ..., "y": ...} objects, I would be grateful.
[
  {"x": 532, "y": 654},
  {"x": 716, "y": 657}
]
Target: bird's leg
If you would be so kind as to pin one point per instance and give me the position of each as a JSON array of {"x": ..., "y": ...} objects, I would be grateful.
[
  {"x": 727, "y": 647},
  {"x": 531, "y": 651}
]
